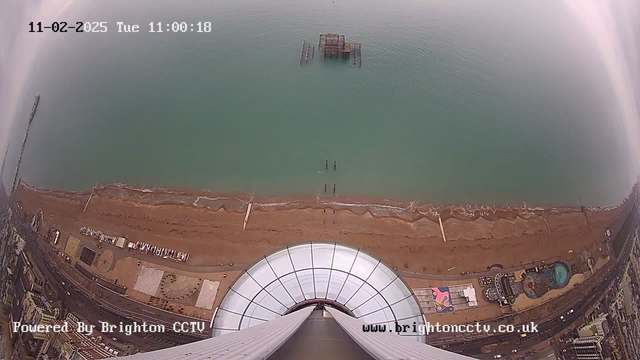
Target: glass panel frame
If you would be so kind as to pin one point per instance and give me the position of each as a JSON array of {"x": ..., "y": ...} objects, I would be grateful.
[
  {"x": 321, "y": 277},
  {"x": 262, "y": 273},
  {"x": 301, "y": 257},
  {"x": 322, "y": 255},
  {"x": 344, "y": 258},
  {"x": 280, "y": 262}
]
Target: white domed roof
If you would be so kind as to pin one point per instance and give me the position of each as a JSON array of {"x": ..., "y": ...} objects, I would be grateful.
[{"x": 349, "y": 278}]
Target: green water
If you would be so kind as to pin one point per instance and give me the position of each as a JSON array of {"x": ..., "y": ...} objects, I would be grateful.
[{"x": 482, "y": 102}]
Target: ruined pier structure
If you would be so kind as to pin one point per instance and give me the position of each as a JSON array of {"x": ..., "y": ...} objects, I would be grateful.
[
  {"x": 334, "y": 46},
  {"x": 307, "y": 52}
]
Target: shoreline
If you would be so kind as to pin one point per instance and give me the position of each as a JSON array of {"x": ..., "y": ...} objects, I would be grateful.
[
  {"x": 375, "y": 207},
  {"x": 211, "y": 229}
]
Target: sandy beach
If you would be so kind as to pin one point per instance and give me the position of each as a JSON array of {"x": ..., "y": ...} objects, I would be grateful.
[{"x": 405, "y": 236}]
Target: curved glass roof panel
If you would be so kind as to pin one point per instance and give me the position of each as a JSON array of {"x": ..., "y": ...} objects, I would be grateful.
[{"x": 336, "y": 274}]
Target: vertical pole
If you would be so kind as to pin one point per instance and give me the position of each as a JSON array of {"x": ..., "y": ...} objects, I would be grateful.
[
  {"x": 325, "y": 187},
  {"x": 334, "y": 165},
  {"x": 334, "y": 188},
  {"x": 326, "y": 164},
  {"x": 24, "y": 142}
]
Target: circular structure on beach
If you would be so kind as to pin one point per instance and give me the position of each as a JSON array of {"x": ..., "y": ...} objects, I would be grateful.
[
  {"x": 105, "y": 260},
  {"x": 490, "y": 293},
  {"x": 342, "y": 277},
  {"x": 177, "y": 287},
  {"x": 562, "y": 274}
]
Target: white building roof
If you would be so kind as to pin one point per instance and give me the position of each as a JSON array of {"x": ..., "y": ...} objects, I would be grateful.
[
  {"x": 337, "y": 274},
  {"x": 470, "y": 294}
]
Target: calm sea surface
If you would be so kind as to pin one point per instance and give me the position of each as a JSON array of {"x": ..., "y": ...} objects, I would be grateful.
[{"x": 456, "y": 102}]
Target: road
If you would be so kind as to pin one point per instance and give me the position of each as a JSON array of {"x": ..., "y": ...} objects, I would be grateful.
[{"x": 96, "y": 303}]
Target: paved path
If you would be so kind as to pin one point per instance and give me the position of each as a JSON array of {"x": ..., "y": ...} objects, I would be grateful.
[
  {"x": 121, "y": 253},
  {"x": 471, "y": 276},
  {"x": 599, "y": 285}
]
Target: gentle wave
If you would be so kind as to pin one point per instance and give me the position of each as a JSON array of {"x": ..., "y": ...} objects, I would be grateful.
[{"x": 411, "y": 211}]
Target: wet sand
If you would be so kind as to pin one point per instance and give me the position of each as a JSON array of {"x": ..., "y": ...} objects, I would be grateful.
[{"x": 406, "y": 236}]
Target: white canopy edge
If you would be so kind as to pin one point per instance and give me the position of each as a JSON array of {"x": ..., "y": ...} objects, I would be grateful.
[{"x": 257, "y": 342}]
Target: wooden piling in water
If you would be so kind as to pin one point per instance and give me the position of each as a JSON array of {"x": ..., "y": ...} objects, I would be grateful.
[
  {"x": 334, "y": 188},
  {"x": 334, "y": 165},
  {"x": 305, "y": 52},
  {"x": 356, "y": 54}
]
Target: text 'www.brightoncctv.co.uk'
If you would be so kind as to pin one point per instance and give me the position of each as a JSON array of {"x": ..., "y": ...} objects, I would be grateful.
[{"x": 428, "y": 328}]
